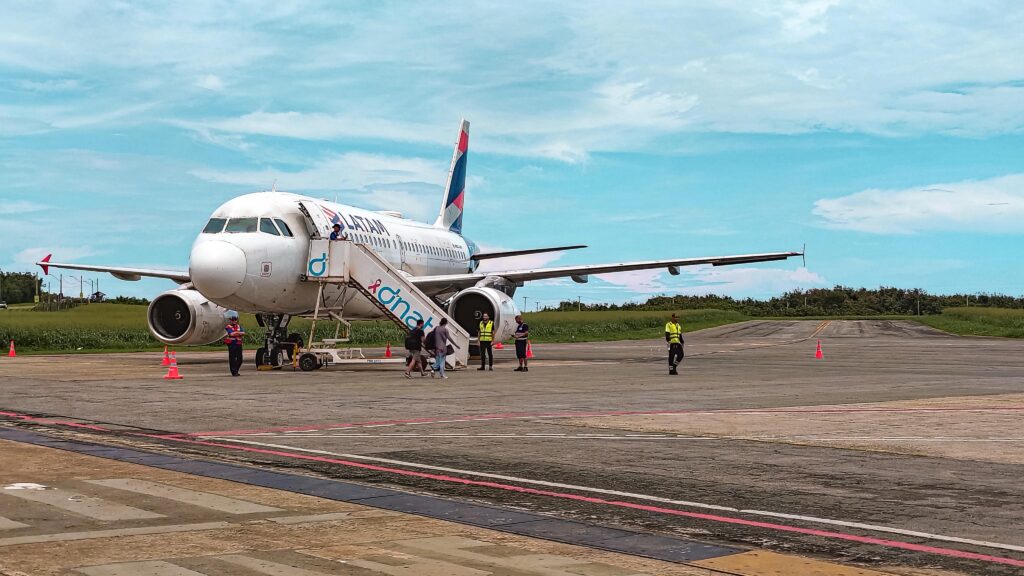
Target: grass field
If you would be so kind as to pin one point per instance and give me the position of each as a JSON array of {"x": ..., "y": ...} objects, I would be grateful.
[
  {"x": 978, "y": 322},
  {"x": 619, "y": 325},
  {"x": 122, "y": 327}
]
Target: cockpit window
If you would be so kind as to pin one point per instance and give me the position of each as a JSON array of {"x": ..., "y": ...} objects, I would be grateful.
[
  {"x": 285, "y": 230},
  {"x": 267, "y": 227},
  {"x": 214, "y": 226},
  {"x": 236, "y": 225}
]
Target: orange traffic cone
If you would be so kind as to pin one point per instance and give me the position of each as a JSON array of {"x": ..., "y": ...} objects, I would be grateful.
[
  {"x": 167, "y": 358},
  {"x": 172, "y": 372},
  {"x": 529, "y": 350},
  {"x": 498, "y": 345},
  {"x": 11, "y": 354},
  {"x": 387, "y": 351},
  {"x": 817, "y": 353}
]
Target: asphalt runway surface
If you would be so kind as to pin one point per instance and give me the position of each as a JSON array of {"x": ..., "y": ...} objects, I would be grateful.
[{"x": 902, "y": 449}]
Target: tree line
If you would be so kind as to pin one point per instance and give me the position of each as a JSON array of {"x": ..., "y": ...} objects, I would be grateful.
[
  {"x": 22, "y": 287},
  {"x": 837, "y": 301}
]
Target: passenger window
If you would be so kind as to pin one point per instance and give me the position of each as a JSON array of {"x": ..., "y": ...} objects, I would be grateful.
[
  {"x": 214, "y": 226},
  {"x": 237, "y": 225},
  {"x": 285, "y": 230},
  {"x": 267, "y": 227}
]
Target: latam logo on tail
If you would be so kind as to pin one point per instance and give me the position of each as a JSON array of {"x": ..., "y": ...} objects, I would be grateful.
[{"x": 455, "y": 194}]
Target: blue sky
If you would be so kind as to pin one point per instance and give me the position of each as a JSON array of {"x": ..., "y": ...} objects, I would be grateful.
[{"x": 888, "y": 137}]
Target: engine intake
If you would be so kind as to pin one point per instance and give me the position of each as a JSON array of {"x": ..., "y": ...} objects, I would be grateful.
[
  {"x": 185, "y": 317},
  {"x": 469, "y": 305}
]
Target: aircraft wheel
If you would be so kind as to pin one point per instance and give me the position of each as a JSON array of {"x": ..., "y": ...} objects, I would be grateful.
[
  {"x": 275, "y": 356},
  {"x": 308, "y": 362},
  {"x": 261, "y": 357}
]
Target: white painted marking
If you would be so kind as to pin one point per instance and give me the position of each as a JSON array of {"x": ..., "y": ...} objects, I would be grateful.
[
  {"x": 25, "y": 486},
  {"x": 153, "y": 568},
  {"x": 267, "y": 567},
  {"x": 83, "y": 505},
  {"x": 688, "y": 503},
  {"x": 8, "y": 524},
  {"x": 186, "y": 496},
  {"x": 312, "y": 518},
  {"x": 117, "y": 533},
  {"x": 150, "y": 568}
]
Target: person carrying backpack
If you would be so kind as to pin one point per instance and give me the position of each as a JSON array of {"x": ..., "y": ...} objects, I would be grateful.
[{"x": 414, "y": 347}]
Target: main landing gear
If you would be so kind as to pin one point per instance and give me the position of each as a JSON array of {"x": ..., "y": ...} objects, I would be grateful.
[{"x": 279, "y": 345}]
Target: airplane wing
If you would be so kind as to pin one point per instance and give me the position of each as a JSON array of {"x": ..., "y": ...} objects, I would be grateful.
[
  {"x": 118, "y": 272},
  {"x": 487, "y": 255},
  {"x": 579, "y": 273}
]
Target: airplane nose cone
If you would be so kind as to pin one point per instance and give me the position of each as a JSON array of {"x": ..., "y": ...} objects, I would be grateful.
[{"x": 217, "y": 268}]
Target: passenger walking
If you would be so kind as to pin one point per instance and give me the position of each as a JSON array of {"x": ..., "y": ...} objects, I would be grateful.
[
  {"x": 486, "y": 337},
  {"x": 674, "y": 337},
  {"x": 440, "y": 348},
  {"x": 414, "y": 346},
  {"x": 233, "y": 338},
  {"x": 522, "y": 335}
]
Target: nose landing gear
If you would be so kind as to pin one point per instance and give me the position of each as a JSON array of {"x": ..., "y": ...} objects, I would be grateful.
[{"x": 277, "y": 345}]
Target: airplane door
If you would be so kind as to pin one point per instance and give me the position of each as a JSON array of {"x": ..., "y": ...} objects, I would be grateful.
[
  {"x": 316, "y": 221},
  {"x": 401, "y": 251}
]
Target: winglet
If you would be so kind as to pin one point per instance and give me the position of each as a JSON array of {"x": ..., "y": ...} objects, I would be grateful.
[
  {"x": 803, "y": 254},
  {"x": 42, "y": 264}
]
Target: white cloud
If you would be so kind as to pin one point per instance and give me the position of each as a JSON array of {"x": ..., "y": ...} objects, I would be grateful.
[
  {"x": 61, "y": 253},
  {"x": 20, "y": 207},
  {"x": 351, "y": 170},
  {"x": 642, "y": 281},
  {"x": 323, "y": 126},
  {"x": 726, "y": 281},
  {"x": 210, "y": 82},
  {"x": 525, "y": 262},
  {"x": 995, "y": 205}
]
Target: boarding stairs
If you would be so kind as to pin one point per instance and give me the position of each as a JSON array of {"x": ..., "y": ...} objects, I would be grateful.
[{"x": 357, "y": 266}]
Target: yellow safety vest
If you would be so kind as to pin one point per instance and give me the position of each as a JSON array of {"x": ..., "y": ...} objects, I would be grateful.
[
  {"x": 675, "y": 333},
  {"x": 487, "y": 331}
]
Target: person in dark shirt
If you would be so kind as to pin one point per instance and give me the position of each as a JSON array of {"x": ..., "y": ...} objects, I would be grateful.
[
  {"x": 522, "y": 336},
  {"x": 336, "y": 233},
  {"x": 414, "y": 345}
]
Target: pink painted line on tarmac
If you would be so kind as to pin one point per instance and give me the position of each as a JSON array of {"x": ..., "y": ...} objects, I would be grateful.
[
  {"x": 620, "y": 504},
  {"x": 37, "y": 420},
  {"x": 515, "y": 415}
]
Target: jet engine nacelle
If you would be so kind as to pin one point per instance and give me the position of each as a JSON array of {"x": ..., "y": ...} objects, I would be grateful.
[
  {"x": 185, "y": 317},
  {"x": 469, "y": 305}
]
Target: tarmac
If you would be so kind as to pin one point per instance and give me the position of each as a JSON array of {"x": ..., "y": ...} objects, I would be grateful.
[{"x": 899, "y": 452}]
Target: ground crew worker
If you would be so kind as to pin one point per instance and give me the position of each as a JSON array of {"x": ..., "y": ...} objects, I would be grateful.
[
  {"x": 486, "y": 337},
  {"x": 233, "y": 338},
  {"x": 522, "y": 336},
  {"x": 674, "y": 337}
]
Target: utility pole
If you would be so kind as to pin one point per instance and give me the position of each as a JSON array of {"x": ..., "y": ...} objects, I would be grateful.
[
  {"x": 525, "y": 305},
  {"x": 1, "y": 285},
  {"x": 579, "y": 307}
]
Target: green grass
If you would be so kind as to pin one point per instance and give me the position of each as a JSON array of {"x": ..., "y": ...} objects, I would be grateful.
[
  {"x": 619, "y": 325},
  {"x": 122, "y": 327},
  {"x": 1004, "y": 322}
]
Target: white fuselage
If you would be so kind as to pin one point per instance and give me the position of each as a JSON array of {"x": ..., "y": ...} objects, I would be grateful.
[{"x": 255, "y": 260}]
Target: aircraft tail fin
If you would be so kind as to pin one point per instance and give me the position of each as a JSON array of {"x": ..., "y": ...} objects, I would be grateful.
[{"x": 450, "y": 216}]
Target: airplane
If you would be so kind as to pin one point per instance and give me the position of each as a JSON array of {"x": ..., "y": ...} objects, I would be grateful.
[{"x": 251, "y": 256}]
